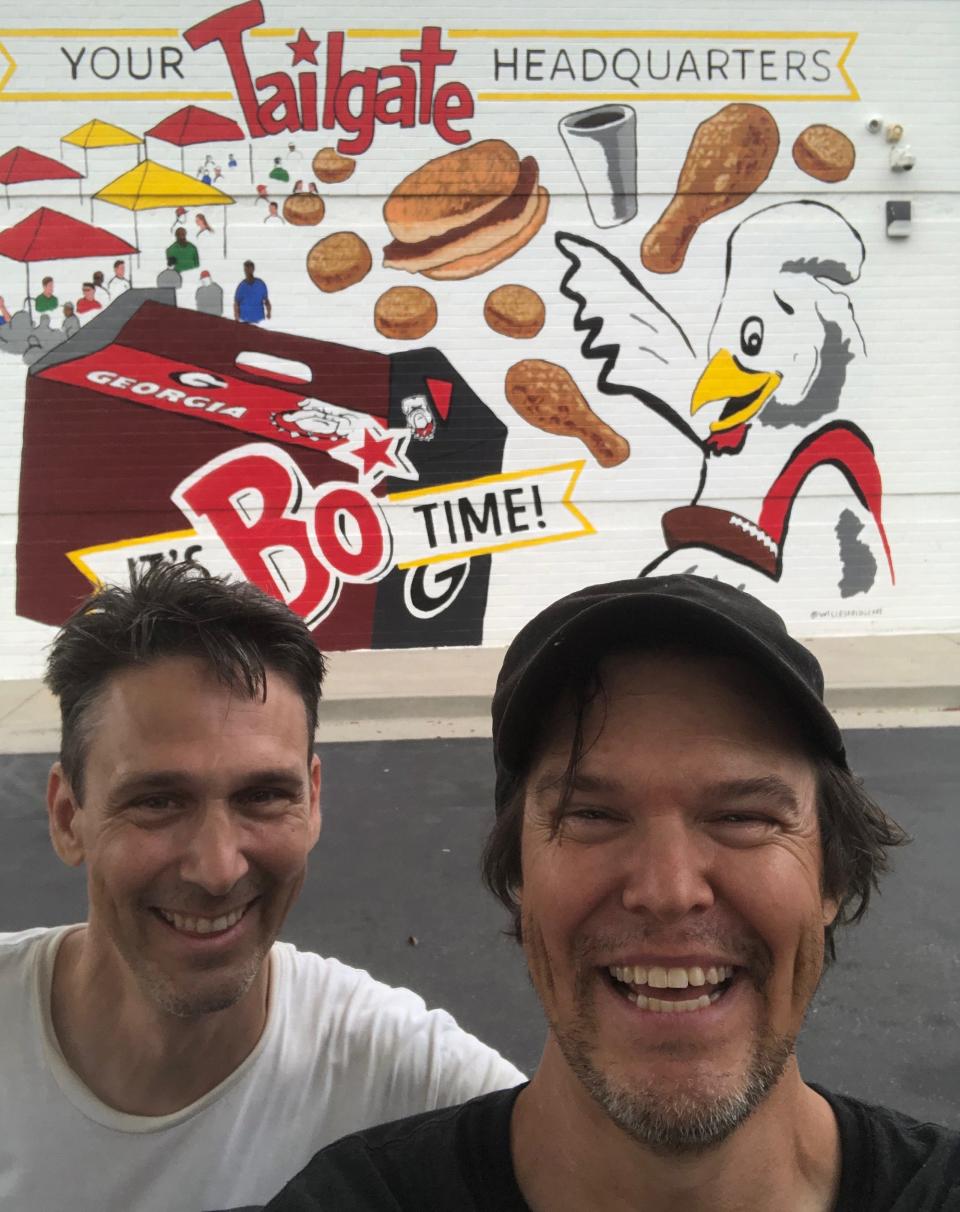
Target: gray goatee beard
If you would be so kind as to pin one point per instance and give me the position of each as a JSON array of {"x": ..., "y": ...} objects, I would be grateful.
[{"x": 674, "y": 1121}]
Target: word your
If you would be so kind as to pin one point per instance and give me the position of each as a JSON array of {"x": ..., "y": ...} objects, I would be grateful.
[
  {"x": 461, "y": 520},
  {"x": 106, "y": 62},
  {"x": 355, "y": 101},
  {"x": 297, "y": 542}
]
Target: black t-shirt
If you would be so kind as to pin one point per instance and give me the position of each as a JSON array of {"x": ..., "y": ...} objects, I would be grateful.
[{"x": 458, "y": 1160}]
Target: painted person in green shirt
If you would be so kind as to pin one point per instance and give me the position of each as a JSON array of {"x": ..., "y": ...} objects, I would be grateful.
[
  {"x": 46, "y": 300},
  {"x": 182, "y": 252}
]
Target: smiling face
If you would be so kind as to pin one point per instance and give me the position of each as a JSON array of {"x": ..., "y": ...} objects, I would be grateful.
[
  {"x": 200, "y": 808},
  {"x": 671, "y": 908}
]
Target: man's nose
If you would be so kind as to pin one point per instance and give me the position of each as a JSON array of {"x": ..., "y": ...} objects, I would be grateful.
[
  {"x": 668, "y": 871},
  {"x": 214, "y": 858}
]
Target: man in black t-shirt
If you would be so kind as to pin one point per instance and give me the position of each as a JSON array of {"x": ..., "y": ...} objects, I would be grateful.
[{"x": 678, "y": 836}]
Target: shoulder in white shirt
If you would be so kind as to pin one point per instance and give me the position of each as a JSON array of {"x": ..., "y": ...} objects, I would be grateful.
[{"x": 340, "y": 1052}]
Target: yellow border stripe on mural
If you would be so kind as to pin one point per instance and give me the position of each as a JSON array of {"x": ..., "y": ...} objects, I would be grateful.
[
  {"x": 89, "y": 33},
  {"x": 648, "y": 33},
  {"x": 76, "y": 557},
  {"x": 704, "y": 96},
  {"x": 441, "y": 490},
  {"x": 384, "y": 33},
  {"x": 225, "y": 96}
]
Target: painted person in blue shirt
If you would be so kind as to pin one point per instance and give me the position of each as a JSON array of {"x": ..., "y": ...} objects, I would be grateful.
[{"x": 251, "y": 301}]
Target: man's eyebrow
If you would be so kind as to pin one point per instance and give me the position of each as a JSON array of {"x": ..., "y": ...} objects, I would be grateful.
[
  {"x": 178, "y": 780},
  {"x": 769, "y": 787},
  {"x": 554, "y": 779}
]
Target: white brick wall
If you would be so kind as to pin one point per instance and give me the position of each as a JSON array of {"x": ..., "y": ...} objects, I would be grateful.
[{"x": 905, "y": 303}]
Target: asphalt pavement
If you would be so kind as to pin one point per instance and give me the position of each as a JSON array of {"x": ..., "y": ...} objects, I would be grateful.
[{"x": 394, "y": 888}]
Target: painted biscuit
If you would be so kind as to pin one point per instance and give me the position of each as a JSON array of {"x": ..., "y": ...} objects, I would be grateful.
[
  {"x": 471, "y": 264},
  {"x": 476, "y": 238},
  {"x": 451, "y": 191},
  {"x": 546, "y": 396},
  {"x": 303, "y": 210},
  {"x": 338, "y": 261},
  {"x": 515, "y": 311},
  {"x": 332, "y": 168},
  {"x": 405, "y": 313},
  {"x": 825, "y": 153}
]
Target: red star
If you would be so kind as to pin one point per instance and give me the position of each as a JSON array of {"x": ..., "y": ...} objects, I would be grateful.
[
  {"x": 374, "y": 452},
  {"x": 304, "y": 48}
]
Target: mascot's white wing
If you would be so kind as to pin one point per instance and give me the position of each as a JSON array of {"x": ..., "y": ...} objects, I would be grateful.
[{"x": 644, "y": 351}]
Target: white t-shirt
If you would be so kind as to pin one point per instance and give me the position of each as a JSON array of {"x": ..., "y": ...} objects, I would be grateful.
[{"x": 339, "y": 1052}]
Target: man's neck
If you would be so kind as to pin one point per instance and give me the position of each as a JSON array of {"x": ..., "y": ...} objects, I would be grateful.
[
  {"x": 569, "y": 1155},
  {"x": 149, "y": 1062}
]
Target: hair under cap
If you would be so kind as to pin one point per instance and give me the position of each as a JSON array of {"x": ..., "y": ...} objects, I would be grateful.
[{"x": 682, "y": 608}]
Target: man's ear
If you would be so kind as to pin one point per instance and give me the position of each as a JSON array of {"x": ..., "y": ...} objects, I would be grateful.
[
  {"x": 316, "y": 814},
  {"x": 62, "y": 810},
  {"x": 830, "y": 906}
]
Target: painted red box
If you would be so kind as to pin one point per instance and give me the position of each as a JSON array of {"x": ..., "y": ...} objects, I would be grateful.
[{"x": 100, "y": 462}]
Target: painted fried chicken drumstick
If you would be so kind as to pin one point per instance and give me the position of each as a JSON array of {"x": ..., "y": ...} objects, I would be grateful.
[
  {"x": 546, "y": 396},
  {"x": 729, "y": 156}
]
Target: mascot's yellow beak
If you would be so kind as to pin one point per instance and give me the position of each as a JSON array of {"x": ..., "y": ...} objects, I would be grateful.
[{"x": 746, "y": 391}]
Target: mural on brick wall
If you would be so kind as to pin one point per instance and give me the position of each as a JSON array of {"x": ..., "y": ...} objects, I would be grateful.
[{"x": 361, "y": 328}]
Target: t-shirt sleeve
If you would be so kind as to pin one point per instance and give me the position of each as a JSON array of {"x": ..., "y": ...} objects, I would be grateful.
[
  {"x": 419, "y": 1059},
  {"x": 467, "y": 1067}
]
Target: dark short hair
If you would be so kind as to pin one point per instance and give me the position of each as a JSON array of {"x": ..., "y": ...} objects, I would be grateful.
[
  {"x": 46, "y": 280},
  {"x": 87, "y": 286},
  {"x": 116, "y": 263},
  {"x": 176, "y": 610},
  {"x": 855, "y": 832},
  {"x": 250, "y": 263}
]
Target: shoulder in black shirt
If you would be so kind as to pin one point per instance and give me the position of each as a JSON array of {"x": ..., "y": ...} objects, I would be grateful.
[{"x": 458, "y": 1160}]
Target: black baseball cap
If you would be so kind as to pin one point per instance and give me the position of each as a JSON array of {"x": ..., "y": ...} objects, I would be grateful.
[{"x": 585, "y": 625}]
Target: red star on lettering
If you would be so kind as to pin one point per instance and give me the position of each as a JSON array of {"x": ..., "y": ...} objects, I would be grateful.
[
  {"x": 375, "y": 452},
  {"x": 304, "y": 48}
]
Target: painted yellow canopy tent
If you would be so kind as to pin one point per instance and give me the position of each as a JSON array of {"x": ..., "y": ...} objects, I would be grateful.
[
  {"x": 96, "y": 134},
  {"x": 152, "y": 186}
]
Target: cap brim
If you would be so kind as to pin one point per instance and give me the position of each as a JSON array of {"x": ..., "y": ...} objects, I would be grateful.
[{"x": 632, "y": 621}]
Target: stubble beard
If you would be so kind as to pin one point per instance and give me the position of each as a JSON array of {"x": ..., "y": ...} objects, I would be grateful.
[
  {"x": 675, "y": 1121},
  {"x": 670, "y": 1120},
  {"x": 165, "y": 994},
  {"x": 175, "y": 996}
]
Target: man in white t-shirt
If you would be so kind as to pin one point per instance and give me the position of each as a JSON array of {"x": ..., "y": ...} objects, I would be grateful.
[
  {"x": 169, "y": 1052},
  {"x": 119, "y": 282}
]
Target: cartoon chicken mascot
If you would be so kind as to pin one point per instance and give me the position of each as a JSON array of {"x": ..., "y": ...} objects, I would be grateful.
[{"x": 777, "y": 360}]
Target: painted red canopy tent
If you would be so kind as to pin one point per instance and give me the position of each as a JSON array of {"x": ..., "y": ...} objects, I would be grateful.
[
  {"x": 193, "y": 124},
  {"x": 20, "y": 165},
  {"x": 48, "y": 235}
]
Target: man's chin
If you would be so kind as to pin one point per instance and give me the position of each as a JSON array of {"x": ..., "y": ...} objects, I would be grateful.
[
  {"x": 687, "y": 1108},
  {"x": 204, "y": 997},
  {"x": 194, "y": 994}
]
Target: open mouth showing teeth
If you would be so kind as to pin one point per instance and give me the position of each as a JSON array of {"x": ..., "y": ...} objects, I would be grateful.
[
  {"x": 189, "y": 924},
  {"x": 668, "y": 990}
]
